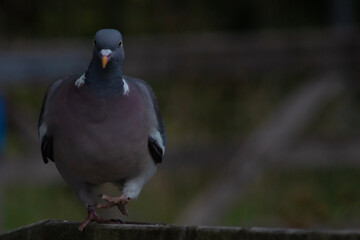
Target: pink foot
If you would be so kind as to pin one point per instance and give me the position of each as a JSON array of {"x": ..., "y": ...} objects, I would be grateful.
[
  {"x": 120, "y": 202},
  {"x": 93, "y": 217}
]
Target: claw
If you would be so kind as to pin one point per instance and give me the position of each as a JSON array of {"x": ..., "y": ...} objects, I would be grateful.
[
  {"x": 123, "y": 210},
  {"x": 117, "y": 220}
]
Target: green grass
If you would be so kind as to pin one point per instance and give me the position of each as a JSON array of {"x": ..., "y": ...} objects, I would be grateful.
[
  {"x": 298, "y": 198},
  {"x": 301, "y": 198},
  {"x": 27, "y": 203}
]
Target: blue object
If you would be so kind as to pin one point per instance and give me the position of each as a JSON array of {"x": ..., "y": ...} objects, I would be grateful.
[{"x": 2, "y": 124}]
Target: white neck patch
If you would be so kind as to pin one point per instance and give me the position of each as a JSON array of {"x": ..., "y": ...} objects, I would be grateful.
[
  {"x": 126, "y": 88},
  {"x": 80, "y": 81}
]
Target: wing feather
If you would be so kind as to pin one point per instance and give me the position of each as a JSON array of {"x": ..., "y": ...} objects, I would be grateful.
[
  {"x": 46, "y": 139},
  {"x": 156, "y": 151},
  {"x": 157, "y": 138}
]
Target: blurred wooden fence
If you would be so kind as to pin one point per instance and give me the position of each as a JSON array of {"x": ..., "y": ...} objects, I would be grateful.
[
  {"x": 216, "y": 54},
  {"x": 65, "y": 230}
]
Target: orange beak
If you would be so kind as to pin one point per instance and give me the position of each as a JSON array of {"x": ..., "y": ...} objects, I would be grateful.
[{"x": 104, "y": 61}]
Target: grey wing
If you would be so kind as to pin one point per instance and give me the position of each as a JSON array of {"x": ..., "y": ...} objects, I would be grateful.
[
  {"x": 157, "y": 137},
  {"x": 46, "y": 138}
]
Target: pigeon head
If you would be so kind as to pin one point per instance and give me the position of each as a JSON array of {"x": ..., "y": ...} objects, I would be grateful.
[
  {"x": 108, "y": 51},
  {"x": 104, "y": 74}
]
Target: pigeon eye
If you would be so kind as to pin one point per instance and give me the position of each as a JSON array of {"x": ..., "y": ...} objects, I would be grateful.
[{"x": 119, "y": 45}]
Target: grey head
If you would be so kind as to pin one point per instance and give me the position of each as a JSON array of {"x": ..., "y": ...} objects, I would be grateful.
[
  {"x": 108, "y": 48},
  {"x": 105, "y": 68}
]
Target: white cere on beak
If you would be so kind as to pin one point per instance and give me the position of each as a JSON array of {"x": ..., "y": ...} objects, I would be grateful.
[{"x": 105, "y": 52}]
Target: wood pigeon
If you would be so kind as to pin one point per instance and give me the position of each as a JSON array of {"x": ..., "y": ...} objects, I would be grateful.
[{"x": 102, "y": 127}]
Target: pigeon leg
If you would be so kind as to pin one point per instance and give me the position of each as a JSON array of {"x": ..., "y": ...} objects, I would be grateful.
[
  {"x": 120, "y": 202},
  {"x": 93, "y": 217}
]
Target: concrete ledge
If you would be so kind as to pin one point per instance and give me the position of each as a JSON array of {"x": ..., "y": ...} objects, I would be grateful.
[{"x": 54, "y": 229}]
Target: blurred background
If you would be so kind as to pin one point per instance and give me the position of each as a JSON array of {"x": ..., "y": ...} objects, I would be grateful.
[{"x": 260, "y": 99}]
